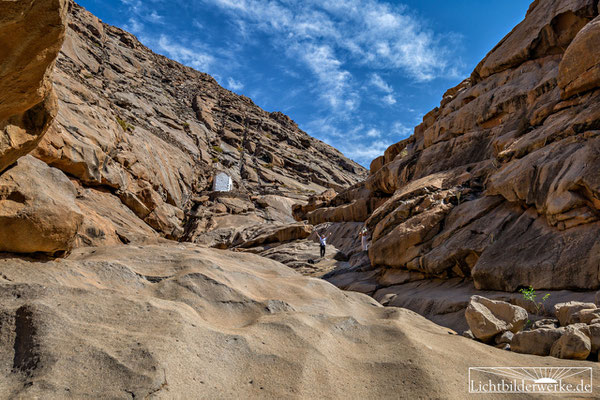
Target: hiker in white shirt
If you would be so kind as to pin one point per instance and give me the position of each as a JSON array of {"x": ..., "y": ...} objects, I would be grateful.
[
  {"x": 323, "y": 242},
  {"x": 364, "y": 241}
]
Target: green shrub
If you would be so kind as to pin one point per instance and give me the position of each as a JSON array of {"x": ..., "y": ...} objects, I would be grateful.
[
  {"x": 530, "y": 295},
  {"x": 218, "y": 149},
  {"x": 124, "y": 125},
  {"x": 215, "y": 160}
]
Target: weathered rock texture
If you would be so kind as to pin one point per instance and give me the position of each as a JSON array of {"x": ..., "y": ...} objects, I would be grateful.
[
  {"x": 499, "y": 187},
  {"x": 31, "y": 34}
]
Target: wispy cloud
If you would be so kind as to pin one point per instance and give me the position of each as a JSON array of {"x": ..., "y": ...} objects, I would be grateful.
[
  {"x": 234, "y": 85},
  {"x": 373, "y": 133},
  {"x": 185, "y": 55},
  {"x": 369, "y": 32},
  {"x": 364, "y": 154},
  {"x": 380, "y": 83}
]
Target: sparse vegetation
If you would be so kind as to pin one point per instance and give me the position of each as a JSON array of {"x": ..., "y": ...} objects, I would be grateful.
[
  {"x": 239, "y": 148},
  {"x": 218, "y": 149},
  {"x": 186, "y": 125},
  {"x": 268, "y": 135},
  {"x": 530, "y": 295},
  {"x": 269, "y": 165},
  {"x": 127, "y": 127},
  {"x": 403, "y": 153},
  {"x": 215, "y": 160}
]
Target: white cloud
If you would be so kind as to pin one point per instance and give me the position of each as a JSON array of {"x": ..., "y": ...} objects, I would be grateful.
[
  {"x": 373, "y": 133},
  {"x": 154, "y": 17},
  {"x": 389, "y": 99},
  {"x": 194, "y": 58},
  {"x": 364, "y": 154},
  {"x": 399, "y": 129},
  {"x": 234, "y": 85},
  {"x": 381, "y": 84},
  {"x": 134, "y": 26},
  {"x": 331, "y": 36}
]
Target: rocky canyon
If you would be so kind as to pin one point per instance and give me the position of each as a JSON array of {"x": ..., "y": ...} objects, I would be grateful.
[{"x": 125, "y": 274}]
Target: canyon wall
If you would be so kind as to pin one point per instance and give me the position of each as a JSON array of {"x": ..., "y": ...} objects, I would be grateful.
[
  {"x": 137, "y": 142},
  {"x": 499, "y": 187}
]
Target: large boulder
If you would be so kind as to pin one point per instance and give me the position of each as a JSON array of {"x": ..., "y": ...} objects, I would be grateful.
[
  {"x": 594, "y": 334},
  {"x": 586, "y": 316},
  {"x": 270, "y": 233},
  {"x": 579, "y": 69},
  {"x": 537, "y": 341},
  {"x": 487, "y": 318},
  {"x": 573, "y": 344},
  {"x": 564, "y": 311},
  {"x": 31, "y": 34},
  {"x": 37, "y": 209}
]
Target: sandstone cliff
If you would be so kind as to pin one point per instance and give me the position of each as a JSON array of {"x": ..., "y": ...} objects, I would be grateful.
[{"x": 499, "y": 187}]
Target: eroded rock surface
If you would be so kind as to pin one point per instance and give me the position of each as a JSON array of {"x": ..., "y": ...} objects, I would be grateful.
[{"x": 181, "y": 321}]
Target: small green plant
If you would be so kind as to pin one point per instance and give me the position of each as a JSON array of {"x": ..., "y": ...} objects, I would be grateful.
[
  {"x": 269, "y": 136},
  {"x": 215, "y": 160},
  {"x": 218, "y": 149},
  {"x": 403, "y": 153},
  {"x": 269, "y": 165},
  {"x": 239, "y": 148},
  {"x": 530, "y": 295},
  {"x": 186, "y": 124},
  {"x": 124, "y": 124}
]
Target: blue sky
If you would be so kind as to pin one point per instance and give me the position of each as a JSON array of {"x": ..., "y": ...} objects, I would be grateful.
[{"x": 357, "y": 74}]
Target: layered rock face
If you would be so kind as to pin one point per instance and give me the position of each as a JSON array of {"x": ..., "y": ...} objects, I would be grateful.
[
  {"x": 500, "y": 185},
  {"x": 141, "y": 137},
  {"x": 31, "y": 34}
]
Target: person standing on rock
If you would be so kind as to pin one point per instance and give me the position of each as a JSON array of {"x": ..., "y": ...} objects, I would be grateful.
[
  {"x": 363, "y": 239},
  {"x": 323, "y": 242}
]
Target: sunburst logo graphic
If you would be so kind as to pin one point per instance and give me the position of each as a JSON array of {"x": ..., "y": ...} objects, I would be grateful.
[{"x": 530, "y": 380}]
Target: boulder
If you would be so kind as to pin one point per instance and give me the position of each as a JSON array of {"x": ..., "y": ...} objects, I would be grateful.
[
  {"x": 37, "y": 209},
  {"x": 538, "y": 341},
  {"x": 545, "y": 323},
  {"x": 271, "y": 233},
  {"x": 594, "y": 335},
  {"x": 487, "y": 318},
  {"x": 564, "y": 311},
  {"x": 579, "y": 69},
  {"x": 573, "y": 344},
  {"x": 504, "y": 337},
  {"x": 586, "y": 316}
]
